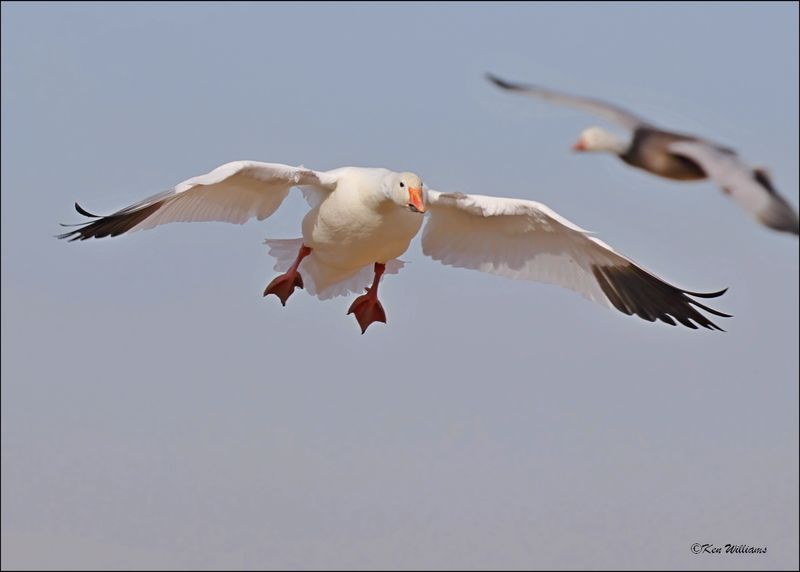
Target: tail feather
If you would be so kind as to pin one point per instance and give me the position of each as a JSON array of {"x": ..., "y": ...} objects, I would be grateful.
[{"x": 320, "y": 279}]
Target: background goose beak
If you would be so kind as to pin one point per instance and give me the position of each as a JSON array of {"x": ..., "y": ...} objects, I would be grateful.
[{"x": 579, "y": 145}]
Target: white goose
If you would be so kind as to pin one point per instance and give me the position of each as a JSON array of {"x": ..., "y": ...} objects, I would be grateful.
[
  {"x": 674, "y": 156},
  {"x": 362, "y": 219}
]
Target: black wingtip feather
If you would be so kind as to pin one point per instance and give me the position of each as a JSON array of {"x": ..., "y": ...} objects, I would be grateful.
[
  {"x": 500, "y": 82},
  {"x": 631, "y": 290},
  {"x": 111, "y": 225},
  {"x": 711, "y": 310},
  {"x": 84, "y": 212},
  {"x": 705, "y": 294},
  {"x": 761, "y": 176}
]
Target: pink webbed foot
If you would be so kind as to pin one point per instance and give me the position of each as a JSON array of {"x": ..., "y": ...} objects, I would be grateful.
[
  {"x": 283, "y": 286},
  {"x": 367, "y": 309}
]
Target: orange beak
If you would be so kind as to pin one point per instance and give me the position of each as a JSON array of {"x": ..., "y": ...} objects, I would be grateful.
[
  {"x": 579, "y": 145},
  {"x": 415, "y": 200}
]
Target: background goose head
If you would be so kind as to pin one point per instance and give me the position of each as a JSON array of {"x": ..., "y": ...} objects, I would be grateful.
[{"x": 599, "y": 140}]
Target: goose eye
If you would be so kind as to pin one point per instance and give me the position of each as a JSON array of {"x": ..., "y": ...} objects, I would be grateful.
[{"x": 402, "y": 185}]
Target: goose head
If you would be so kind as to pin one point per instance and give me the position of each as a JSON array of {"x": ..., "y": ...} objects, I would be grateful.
[
  {"x": 405, "y": 189},
  {"x": 598, "y": 139}
]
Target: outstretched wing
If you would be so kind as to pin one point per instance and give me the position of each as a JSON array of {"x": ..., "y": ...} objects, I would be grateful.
[
  {"x": 752, "y": 189},
  {"x": 606, "y": 110},
  {"x": 526, "y": 240},
  {"x": 234, "y": 192}
]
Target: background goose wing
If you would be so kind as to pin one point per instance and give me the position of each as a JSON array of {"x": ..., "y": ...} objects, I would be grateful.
[
  {"x": 607, "y": 111},
  {"x": 234, "y": 192},
  {"x": 526, "y": 240},
  {"x": 750, "y": 188}
]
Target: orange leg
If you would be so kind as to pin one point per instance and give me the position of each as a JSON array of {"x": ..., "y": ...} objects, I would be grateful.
[
  {"x": 283, "y": 286},
  {"x": 366, "y": 307}
]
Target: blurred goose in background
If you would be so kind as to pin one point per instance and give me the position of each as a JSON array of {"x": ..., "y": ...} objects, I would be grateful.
[
  {"x": 674, "y": 156},
  {"x": 361, "y": 220}
]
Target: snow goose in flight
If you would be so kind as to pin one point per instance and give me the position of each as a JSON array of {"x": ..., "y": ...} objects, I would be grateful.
[
  {"x": 361, "y": 220},
  {"x": 674, "y": 156}
]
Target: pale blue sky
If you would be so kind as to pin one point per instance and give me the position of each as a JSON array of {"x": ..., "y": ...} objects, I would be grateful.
[{"x": 158, "y": 412}]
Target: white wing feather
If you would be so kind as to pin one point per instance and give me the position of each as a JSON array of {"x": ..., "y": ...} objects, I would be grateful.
[
  {"x": 526, "y": 240},
  {"x": 234, "y": 192},
  {"x": 514, "y": 238}
]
